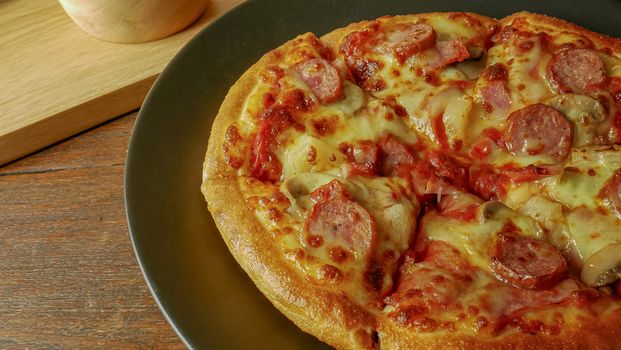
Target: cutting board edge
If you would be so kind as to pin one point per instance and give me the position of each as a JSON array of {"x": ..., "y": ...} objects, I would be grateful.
[{"x": 45, "y": 132}]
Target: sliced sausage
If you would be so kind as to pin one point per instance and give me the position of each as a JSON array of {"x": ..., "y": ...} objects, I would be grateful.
[
  {"x": 495, "y": 93},
  {"x": 322, "y": 78},
  {"x": 393, "y": 154},
  {"x": 343, "y": 221},
  {"x": 538, "y": 129},
  {"x": 330, "y": 190},
  {"x": 435, "y": 173},
  {"x": 452, "y": 51},
  {"x": 526, "y": 262},
  {"x": 487, "y": 183},
  {"x": 406, "y": 39},
  {"x": 436, "y": 281},
  {"x": 496, "y": 96},
  {"x": 496, "y": 72},
  {"x": 447, "y": 169},
  {"x": 576, "y": 70}
]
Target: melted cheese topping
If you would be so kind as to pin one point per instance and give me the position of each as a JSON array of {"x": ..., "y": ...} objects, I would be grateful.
[
  {"x": 483, "y": 301},
  {"x": 586, "y": 113},
  {"x": 394, "y": 214},
  {"x": 591, "y": 225},
  {"x": 311, "y": 152},
  {"x": 526, "y": 70},
  {"x": 564, "y": 209},
  {"x": 426, "y": 99},
  {"x": 474, "y": 238}
]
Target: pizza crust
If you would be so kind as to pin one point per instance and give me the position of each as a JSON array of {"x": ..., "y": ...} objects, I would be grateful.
[
  {"x": 604, "y": 333},
  {"x": 535, "y": 21},
  {"x": 336, "y": 320}
]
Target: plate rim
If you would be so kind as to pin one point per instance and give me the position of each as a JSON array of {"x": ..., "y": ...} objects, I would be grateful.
[
  {"x": 131, "y": 159},
  {"x": 132, "y": 155}
]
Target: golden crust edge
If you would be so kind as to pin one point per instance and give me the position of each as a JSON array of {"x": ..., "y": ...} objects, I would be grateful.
[
  {"x": 543, "y": 22},
  {"x": 295, "y": 296},
  {"x": 333, "y": 38},
  {"x": 603, "y": 333}
]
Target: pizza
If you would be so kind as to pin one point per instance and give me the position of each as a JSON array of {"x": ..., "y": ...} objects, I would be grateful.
[{"x": 432, "y": 180}]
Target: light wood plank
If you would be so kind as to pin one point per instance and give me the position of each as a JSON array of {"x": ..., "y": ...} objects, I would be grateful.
[{"x": 56, "y": 80}]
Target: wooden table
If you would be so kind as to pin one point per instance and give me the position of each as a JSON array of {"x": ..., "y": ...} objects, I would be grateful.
[{"x": 68, "y": 274}]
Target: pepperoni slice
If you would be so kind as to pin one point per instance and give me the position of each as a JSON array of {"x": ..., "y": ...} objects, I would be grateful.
[
  {"x": 447, "y": 169},
  {"x": 452, "y": 51},
  {"x": 496, "y": 72},
  {"x": 488, "y": 184},
  {"x": 330, "y": 190},
  {"x": 406, "y": 39},
  {"x": 434, "y": 282},
  {"x": 526, "y": 262},
  {"x": 576, "y": 70},
  {"x": 496, "y": 96},
  {"x": 538, "y": 129},
  {"x": 322, "y": 78},
  {"x": 435, "y": 173},
  {"x": 394, "y": 153},
  {"x": 612, "y": 190},
  {"x": 342, "y": 220}
]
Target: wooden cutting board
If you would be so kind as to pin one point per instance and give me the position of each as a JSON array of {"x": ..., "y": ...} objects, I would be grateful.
[{"x": 56, "y": 80}]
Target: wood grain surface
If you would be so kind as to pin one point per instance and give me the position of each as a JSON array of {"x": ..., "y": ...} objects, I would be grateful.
[
  {"x": 56, "y": 80},
  {"x": 68, "y": 275}
]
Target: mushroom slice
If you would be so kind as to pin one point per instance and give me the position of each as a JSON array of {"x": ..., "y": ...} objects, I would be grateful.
[
  {"x": 490, "y": 210},
  {"x": 584, "y": 112},
  {"x": 455, "y": 118},
  {"x": 603, "y": 267},
  {"x": 298, "y": 188},
  {"x": 578, "y": 107},
  {"x": 498, "y": 215}
]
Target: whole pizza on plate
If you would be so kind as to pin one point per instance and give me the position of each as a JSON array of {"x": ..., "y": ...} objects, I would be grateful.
[{"x": 433, "y": 180}]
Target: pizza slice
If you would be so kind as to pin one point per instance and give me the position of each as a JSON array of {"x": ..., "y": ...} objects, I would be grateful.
[
  {"x": 423, "y": 65},
  {"x": 483, "y": 268}
]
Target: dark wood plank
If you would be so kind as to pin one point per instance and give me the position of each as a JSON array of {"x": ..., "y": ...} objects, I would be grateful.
[
  {"x": 68, "y": 276},
  {"x": 106, "y": 146}
]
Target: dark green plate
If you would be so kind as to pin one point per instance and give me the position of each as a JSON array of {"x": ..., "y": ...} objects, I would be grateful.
[{"x": 206, "y": 297}]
